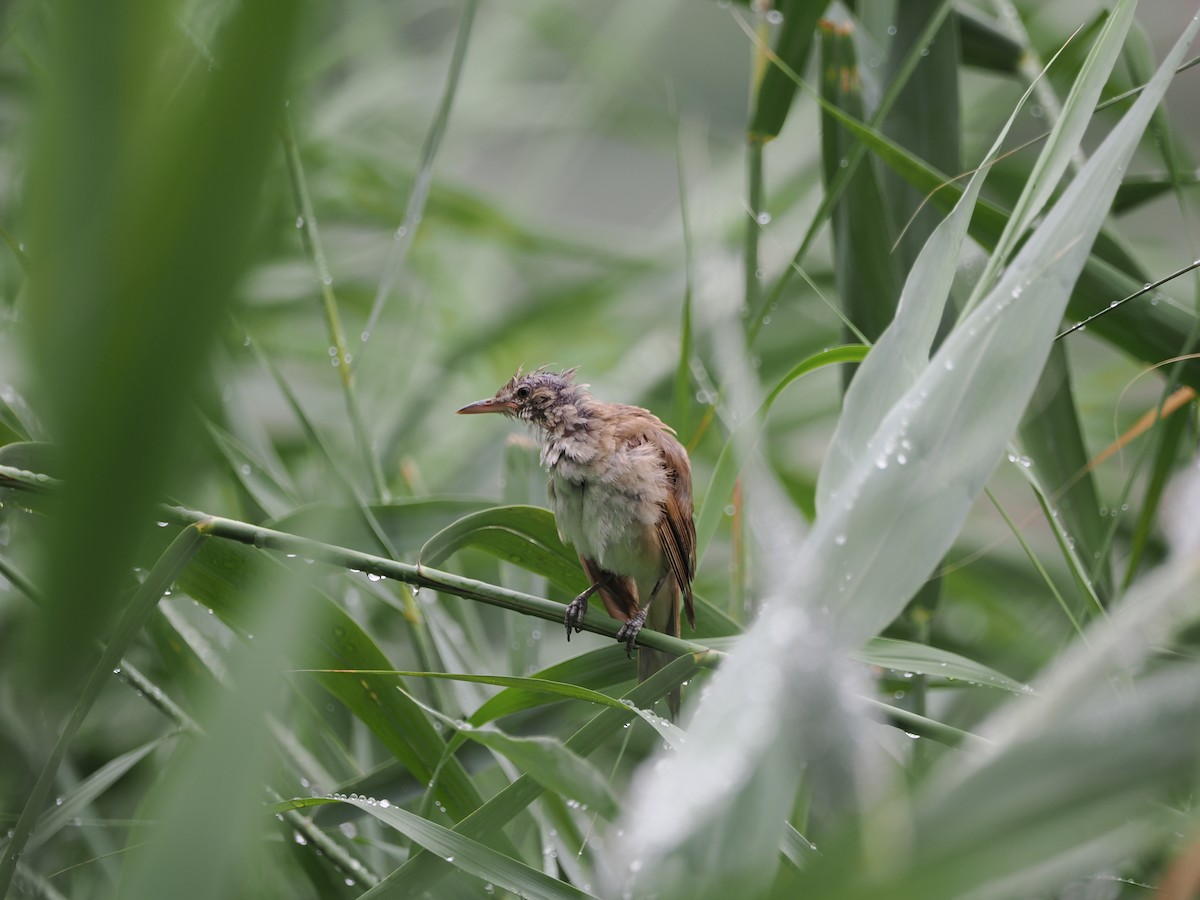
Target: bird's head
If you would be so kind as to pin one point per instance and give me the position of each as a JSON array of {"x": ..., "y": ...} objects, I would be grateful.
[{"x": 541, "y": 398}]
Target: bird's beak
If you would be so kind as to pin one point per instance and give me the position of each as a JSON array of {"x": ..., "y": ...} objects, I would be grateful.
[{"x": 488, "y": 405}]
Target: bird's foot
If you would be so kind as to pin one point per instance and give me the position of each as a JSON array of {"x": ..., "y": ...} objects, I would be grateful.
[
  {"x": 629, "y": 632},
  {"x": 576, "y": 610}
]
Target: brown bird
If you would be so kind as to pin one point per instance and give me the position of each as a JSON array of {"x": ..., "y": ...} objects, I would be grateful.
[{"x": 621, "y": 488}]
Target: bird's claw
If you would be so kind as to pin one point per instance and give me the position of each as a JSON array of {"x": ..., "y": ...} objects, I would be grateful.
[
  {"x": 629, "y": 632},
  {"x": 576, "y": 610}
]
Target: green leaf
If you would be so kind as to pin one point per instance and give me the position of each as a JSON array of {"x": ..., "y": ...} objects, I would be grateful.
[
  {"x": 87, "y": 791},
  {"x": 222, "y": 578},
  {"x": 729, "y": 463},
  {"x": 593, "y": 671},
  {"x": 1053, "y": 443},
  {"x": 423, "y": 871},
  {"x": 908, "y": 656},
  {"x": 544, "y": 759},
  {"x": 925, "y": 118},
  {"x": 457, "y": 850},
  {"x": 1137, "y": 190},
  {"x": 1148, "y": 333},
  {"x": 523, "y": 535},
  {"x": 776, "y": 89},
  {"x": 868, "y": 273},
  {"x": 138, "y": 255},
  {"x": 985, "y": 45},
  {"x": 553, "y": 766}
]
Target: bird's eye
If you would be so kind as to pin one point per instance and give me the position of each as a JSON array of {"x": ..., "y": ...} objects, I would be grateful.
[{"x": 523, "y": 392}]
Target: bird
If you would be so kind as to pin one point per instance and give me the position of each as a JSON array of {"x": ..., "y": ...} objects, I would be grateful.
[{"x": 620, "y": 485}]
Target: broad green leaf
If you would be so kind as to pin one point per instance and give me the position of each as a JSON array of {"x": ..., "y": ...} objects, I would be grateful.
[
  {"x": 527, "y": 685},
  {"x": 985, "y": 44},
  {"x": 869, "y": 278},
  {"x": 462, "y": 852},
  {"x": 33, "y": 456},
  {"x": 907, "y": 656},
  {"x": 902, "y": 353},
  {"x": 776, "y": 90},
  {"x": 925, "y": 118},
  {"x": 1149, "y": 333},
  {"x": 907, "y": 499},
  {"x": 551, "y": 765},
  {"x": 1052, "y": 441},
  {"x": 523, "y": 535}
]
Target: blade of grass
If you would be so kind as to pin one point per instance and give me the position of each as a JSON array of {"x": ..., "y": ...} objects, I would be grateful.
[
  {"x": 306, "y": 221},
  {"x": 683, "y": 378},
  {"x": 418, "y": 192}
]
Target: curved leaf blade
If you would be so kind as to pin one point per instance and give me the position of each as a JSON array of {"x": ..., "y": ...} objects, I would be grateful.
[{"x": 462, "y": 852}]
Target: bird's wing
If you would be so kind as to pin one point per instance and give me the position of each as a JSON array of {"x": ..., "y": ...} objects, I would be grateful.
[{"x": 676, "y": 528}]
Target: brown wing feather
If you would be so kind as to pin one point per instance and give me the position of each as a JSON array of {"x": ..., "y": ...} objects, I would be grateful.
[
  {"x": 617, "y": 594},
  {"x": 676, "y": 528}
]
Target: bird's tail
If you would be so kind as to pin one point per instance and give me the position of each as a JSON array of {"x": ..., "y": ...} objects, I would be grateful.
[{"x": 649, "y": 662}]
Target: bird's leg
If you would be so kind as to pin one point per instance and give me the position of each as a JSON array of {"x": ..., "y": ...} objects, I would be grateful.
[
  {"x": 577, "y": 608},
  {"x": 630, "y": 630}
]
